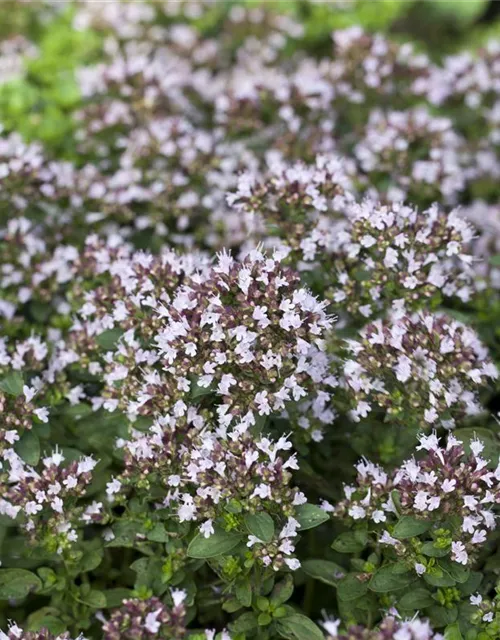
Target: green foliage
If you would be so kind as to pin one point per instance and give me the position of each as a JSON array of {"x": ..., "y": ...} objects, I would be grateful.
[
  {"x": 260, "y": 525},
  {"x": 310, "y": 516},
  {"x": 17, "y": 583},
  {"x": 221, "y": 542}
]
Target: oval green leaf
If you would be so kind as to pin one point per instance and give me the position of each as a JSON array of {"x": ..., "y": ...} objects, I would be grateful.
[
  {"x": 217, "y": 544},
  {"x": 260, "y": 525},
  {"x": 310, "y": 516}
]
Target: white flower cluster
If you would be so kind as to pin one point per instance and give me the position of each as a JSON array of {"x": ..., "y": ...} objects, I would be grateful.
[
  {"x": 423, "y": 367},
  {"x": 396, "y": 255},
  {"x": 456, "y": 493}
]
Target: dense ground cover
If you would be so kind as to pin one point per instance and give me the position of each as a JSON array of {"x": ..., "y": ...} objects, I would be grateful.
[{"x": 249, "y": 302}]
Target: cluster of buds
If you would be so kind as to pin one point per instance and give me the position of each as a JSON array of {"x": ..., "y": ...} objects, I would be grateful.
[
  {"x": 397, "y": 254},
  {"x": 453, "y": 491},
  {"x": 279, "y": 553},
  {"x": 426, "y": 366},
  {"x": 369, "y": 498},
  {"x": 33, "y": 270},
  {"x": 390, "y": 628},
  {"x": 16, "y": 633},
  {"x": 250, "y": 333},
  {"x": 473, "y": 79},
  {"x": 205, "y": 478},
  {"x": 147, "y": 619},
  {"x": 47, "y": 497},
  {"x": 295, "y": 204},
  {"x": 366, "y": 66},
  {"x": 19, "y": 413},
  {"x": 57, "y": 195},
  {"x": 415, "y": 154},
  {"x": 246, "y": 473},
  {"x": 244, "y": 331}
]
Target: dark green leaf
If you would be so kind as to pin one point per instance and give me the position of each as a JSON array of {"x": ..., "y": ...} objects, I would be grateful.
[
  {"x": 310, "y": 516},
  {"x": 90, "y": 560},
  {"x": 244, "y": 624},
  {"x": 409, "y": 527},
  {"x": 217, "y": 544},
  {"x": 471, "y": 585},
  {"x": 457, "y": 571},
  {"x": 108, "y": 339},
  {"x": 114, "y": 597},
  {"x": 96, "y": 599},
  {"x": 243, "y": 593},
  {"x": 324, "y": 571},
  {"x": 158, "y": 533},
  {"x": 452, "y": 632},
  {"x": 299, "y": 627},
  {"x": 390, "y": 578},
  {"x": 282, "y": 591},
  {"x": 416, "y": 599},
  {"x": 351, "y": 588},
  {"x": 442, "y": 616},
  {"x": 439, "y": 579},
  {"x": 12, "y": 383},
  {"x": 28, "y": 448},
  {"x": 17, "y": 583},
  {"x": 347, "y": 543},
  {"x": 46, "y": 618},
  {"x": 428, "y": 549},
  {"x": 231, "y": 605},
  {"x": 260, "y": 525}
]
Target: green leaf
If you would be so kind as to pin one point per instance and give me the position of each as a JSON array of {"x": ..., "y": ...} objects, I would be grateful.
[
  {"x": 244, "y": 624},
  {"x": 46, "y": 618},
  {"x": 351, "y": 588},
  {"x": 471, "y": 585},
  {"x": 12, "y": 383},
  {"x": 442, "y": 616},
  {"x": 495, "y": 260},
  {"x": 282, "y": 591},
  {"x": 441, "y": 579},
  {"x": 347, "y": 543},
  {"x": 96, "y": 599},
  {"x": 90, "y": 560},
  {"x": 429, "y": 549},
  {"x": 28, "y": 448},
  {"x": 217, "y": 544},
  {"x": 416, "y": 599},
  {"x": 299, "y": 627},
  {"x": 243, "y": 592},
  {"x": 310, "y": 516},
  {"x": 264, "y": 619},
  {"x": 390, "y": 578},
  {"x": 158, "y": 533},
  {"x": 260, "y": 525},
  {"x": 114, "y": 597},
  {"x": 457, "y": 571},
  {"x": 108, "y": 339},
  {"x": 199, "y": 392},
  {"x": 409, "y": 527},
  {"x": 452, "y": 632},
  {"x": 17, "y": 583},
  {"x": 231, "y": 605},
  {"x": 125, "y": 532},
  {"x": 324, "y": 571}
]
